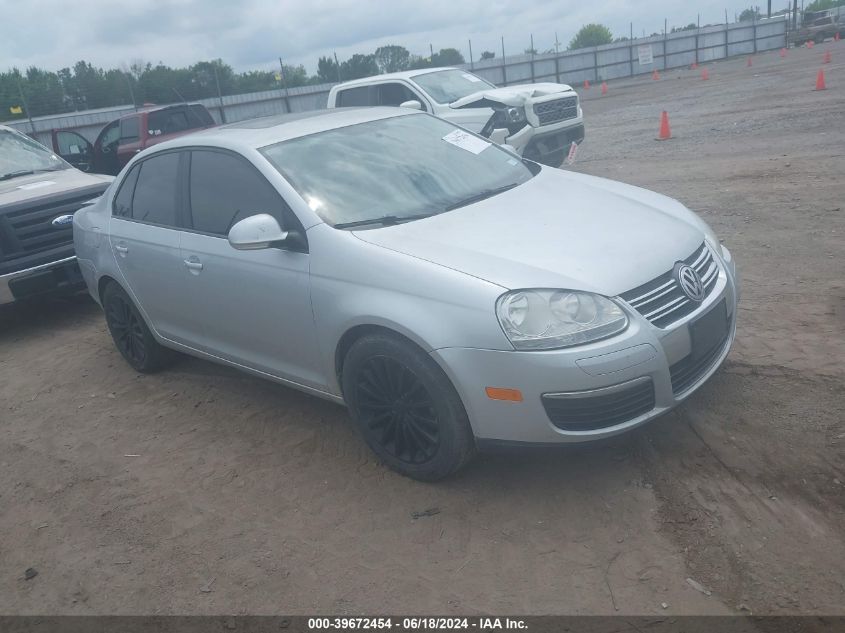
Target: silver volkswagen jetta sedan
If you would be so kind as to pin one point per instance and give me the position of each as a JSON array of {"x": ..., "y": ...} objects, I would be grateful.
[{"x": 448, "y": 292}]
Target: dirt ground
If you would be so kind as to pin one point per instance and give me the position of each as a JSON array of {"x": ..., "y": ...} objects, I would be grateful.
[{"x": 202, "y": 490}]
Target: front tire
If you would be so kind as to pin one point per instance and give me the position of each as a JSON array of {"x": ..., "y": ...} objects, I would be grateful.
[
  {"x": 406, "y": 408},
  {"x": 130, "y": 333}
]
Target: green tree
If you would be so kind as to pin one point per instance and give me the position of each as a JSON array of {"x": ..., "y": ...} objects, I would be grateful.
[
  {"x": 821, "y": 5},
  {"x": 591, "y": 35},
  {"x": 392, "y": 58},
  {"x": 207, "y": 75},
  {"x": 418, "y": 62},
  {"x": 749, "y": 15},
  {"x": 327, "y": 69},
  {"x": 359, "y": 66},
  {"x": 448, "y": 57}
]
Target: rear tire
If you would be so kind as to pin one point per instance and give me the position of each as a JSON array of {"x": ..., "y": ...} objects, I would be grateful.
[
  {"x": 130, "y": 333},
  {"x": 406, "y": 408}
]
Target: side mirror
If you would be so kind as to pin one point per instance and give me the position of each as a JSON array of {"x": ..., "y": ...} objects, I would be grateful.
[
  {"x": 413, "y": 104},
  {"x": 511, "y": 149},
  {"x": 256, "y": 232}
]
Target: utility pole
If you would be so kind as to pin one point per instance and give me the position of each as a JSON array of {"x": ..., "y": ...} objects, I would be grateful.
[
  {"x": 284, "y": 84},
  {"x": 431, "y": 50},
  {"x": 471, "y": 62},
  {"x": 504, "y": 64},
  {"x": 26, "y": 108},
  {"x": 337, "y": 64},
  {"x": 131, "y": 92},
  {"x": 219, "y": 95},
  {"x": 557, "y": 44}
]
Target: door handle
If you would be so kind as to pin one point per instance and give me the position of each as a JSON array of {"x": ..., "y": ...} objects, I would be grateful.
[
  {"x": 121, "y": 248},
  {"x": 193, "y": 264}
]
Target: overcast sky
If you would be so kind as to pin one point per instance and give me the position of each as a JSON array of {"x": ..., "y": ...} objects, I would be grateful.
[{"x": 255, "y": 33}]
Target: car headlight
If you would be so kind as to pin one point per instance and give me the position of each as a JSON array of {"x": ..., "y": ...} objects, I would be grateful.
[
  {"x": 548, "y": 319},
  {"x": 515, "y": 115}
]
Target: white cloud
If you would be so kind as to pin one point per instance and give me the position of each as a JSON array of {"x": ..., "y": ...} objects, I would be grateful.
[{"x": 255, "y": 33}]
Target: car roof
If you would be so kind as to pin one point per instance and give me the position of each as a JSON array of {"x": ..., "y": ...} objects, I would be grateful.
[
  {"x": 147, "y": 109},
  {"x": 256, "y": 133},
  {"x": 405, "y": 74}
]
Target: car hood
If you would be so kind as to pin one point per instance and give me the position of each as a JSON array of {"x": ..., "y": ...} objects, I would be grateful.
[
  {"x": 558, "y": 230},
  {"x": 47, "y": 183},
  {"x": 510, "y": 95}
]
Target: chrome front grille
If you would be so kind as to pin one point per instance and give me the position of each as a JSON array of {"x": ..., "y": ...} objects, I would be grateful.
[
  {"x": 549, "y": 112},
  {"x": 662, "y": 301}
]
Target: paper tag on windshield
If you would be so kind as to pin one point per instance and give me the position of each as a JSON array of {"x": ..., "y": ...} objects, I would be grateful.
[
  {"x": 466, "y": 141},
  {"x": 471, "y": 78},
  {"x": 573, "y": 150}
]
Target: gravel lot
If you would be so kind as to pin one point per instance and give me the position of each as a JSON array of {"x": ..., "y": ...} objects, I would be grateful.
[{"x": 202, "y": 490}]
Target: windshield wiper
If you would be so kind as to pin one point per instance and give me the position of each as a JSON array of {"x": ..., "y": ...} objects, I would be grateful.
[
  {"x": 27, "y": 172},
  {"x": 481, "y": 195},
  {"x": 15, "y": 174},
  {"x": 385, "y": 220}
]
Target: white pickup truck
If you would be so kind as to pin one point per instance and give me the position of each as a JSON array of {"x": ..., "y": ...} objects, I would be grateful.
[{"x": 539, "y": 121}]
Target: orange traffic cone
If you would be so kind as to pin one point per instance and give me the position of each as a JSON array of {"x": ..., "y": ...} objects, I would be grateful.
[
  {"x": 655, "y": 75},
  {"x": 749, "y": 64},
  {"x": 820, "y": 80},
  {"x": 782, "y": 53},
  {"x": 586, "y": 84},
  {"x": 665, "y": 132},
  {"x": 604, "y": 88},
  {"x": 694, "y": 66},
  {"x": 827, "y": 57},
  {"x": 705, "y": 75}
]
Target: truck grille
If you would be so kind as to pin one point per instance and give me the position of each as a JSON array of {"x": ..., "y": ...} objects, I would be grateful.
[
  {"x": 26, "y": 229},
  {"x": 662, "y": 301},
  {"x": 590, "y": 412},
  {"x": 549, "y": 112}
]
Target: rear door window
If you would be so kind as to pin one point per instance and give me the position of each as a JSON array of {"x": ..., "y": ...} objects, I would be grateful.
[
  {"x": 122, "y": 205},
  {"x": 354, "y": 97},
  {"x": 167, "y": 122},
  {"x": 225, "y": 188},
  {"x": 156, "y": 192},
  {"x": 198, "y": 116},
  {"x": 129, "y": 130}
]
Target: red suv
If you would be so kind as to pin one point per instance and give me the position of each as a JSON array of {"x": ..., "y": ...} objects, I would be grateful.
[{"x": 121, "y": 139}]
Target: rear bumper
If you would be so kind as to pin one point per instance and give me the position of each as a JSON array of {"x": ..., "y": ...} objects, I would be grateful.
[{"x": 60, "y": 276}]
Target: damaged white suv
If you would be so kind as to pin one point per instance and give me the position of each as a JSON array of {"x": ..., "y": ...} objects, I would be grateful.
[{"x": 539, "y": 121}]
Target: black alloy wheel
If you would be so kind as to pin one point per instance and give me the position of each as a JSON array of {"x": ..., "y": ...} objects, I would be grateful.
[
  {"x": 395, "y": 405},
  {"x": 126, "y": 328}
]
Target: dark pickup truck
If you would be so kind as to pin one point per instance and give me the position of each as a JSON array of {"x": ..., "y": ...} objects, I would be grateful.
[
  {"x": 817, "y": 26},
  {"x": 121, "y": 139},
  {"x": 39, "y": 193}
]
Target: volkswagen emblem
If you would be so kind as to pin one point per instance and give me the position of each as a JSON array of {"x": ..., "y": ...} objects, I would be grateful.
[
  {"x": 62, "y": 221},
  {"x": 690, "y": 282}
]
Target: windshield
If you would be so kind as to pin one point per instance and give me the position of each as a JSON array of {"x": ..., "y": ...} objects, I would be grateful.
[
  {"x": 446, "y": 86},
  {"x": 394, "y": 169},
  {"x": 21, "y": 155}
]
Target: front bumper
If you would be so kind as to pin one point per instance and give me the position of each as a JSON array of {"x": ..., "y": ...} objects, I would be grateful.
[
  {"x": 606, "y": 369},
  {"x": 61, "y": 276}
]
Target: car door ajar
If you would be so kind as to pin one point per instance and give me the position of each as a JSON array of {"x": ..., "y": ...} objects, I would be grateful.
[
  {"x": 144, "y": 236},
  {"x": 254, "y": 306}
]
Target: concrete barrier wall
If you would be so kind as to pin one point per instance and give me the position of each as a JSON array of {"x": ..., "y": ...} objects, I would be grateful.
[{"x": 611, "y": 61}]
